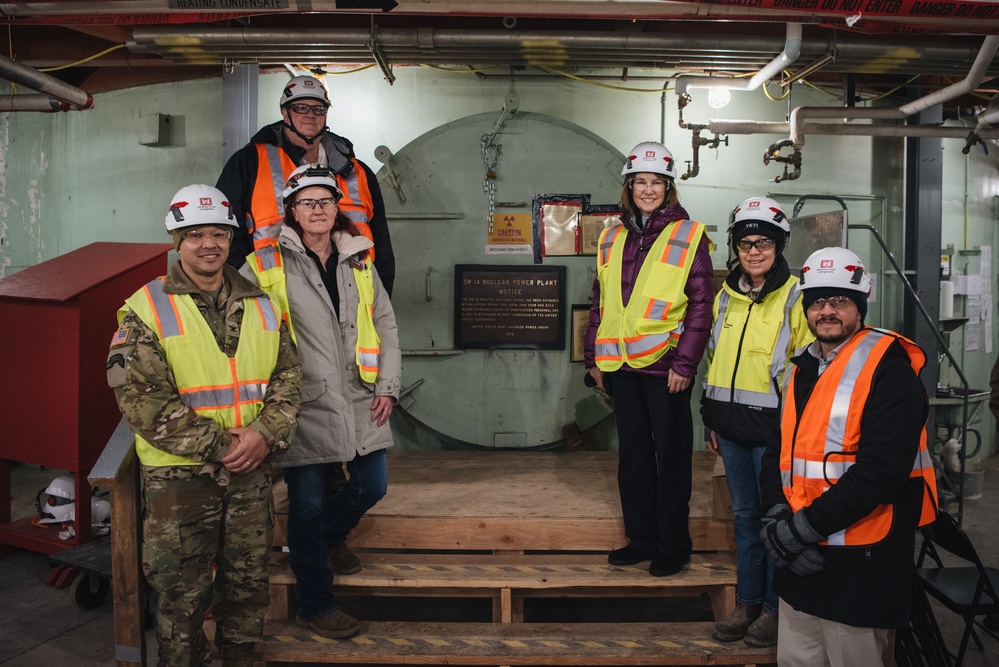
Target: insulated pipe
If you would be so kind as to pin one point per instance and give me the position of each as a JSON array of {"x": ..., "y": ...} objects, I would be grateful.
[
  {"x": 799, "y": 114},
  {"x": 968, "y": 84},
  {"x": 42, "y": 103},
  {"x": 846, "y": 129},
  {"x": 25, "y": 76},
  {"x": 792, "y": 49}
]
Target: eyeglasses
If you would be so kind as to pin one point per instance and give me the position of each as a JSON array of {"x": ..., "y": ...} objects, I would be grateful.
[
  {"x": 199, "y": 236},
  {"x": 302, "y": 109},
  {"x": 837, "y": 302},
  {"x": 641, "y": 184},
  {"x": 326, "y": 203},
  {"x": 745, "y": 245}
]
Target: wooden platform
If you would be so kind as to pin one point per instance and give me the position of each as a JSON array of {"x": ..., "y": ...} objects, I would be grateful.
[
  {"x": 512, "y": 501},
  {"x": 509, "y": 579},
  {"x": 515, "y": 644}
]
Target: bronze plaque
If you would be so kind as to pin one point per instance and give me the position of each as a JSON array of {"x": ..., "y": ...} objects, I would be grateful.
[{"x": 511, "y": 307}]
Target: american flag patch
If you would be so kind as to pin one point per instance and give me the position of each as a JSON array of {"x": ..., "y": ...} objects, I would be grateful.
[{"x": 120, "y": 337}]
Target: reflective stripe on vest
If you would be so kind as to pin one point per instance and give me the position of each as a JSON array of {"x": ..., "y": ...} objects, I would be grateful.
[
  {"x": 230, "y": 391},
  {"x": 272, "y": 279},
  {"x": 821, "y": 446},
  {"x": 267, "y": 205},
  {"x": 267, "y": 263},
  {"x": 640, "y": 333},
  {"x": 368, "y": 345},
  {"x": 726, "y": 348}
]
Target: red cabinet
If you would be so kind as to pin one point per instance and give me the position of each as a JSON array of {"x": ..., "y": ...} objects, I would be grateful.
[{"x": 56, "y": 322}]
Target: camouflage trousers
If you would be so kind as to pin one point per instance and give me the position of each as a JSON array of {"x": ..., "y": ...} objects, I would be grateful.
[{"x": 190, "y": 525}]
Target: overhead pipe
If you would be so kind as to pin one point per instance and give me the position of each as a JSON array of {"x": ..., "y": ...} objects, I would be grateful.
[
  {"x": 25, "y": 76},
  {"x": 975, "y": 76},
  {"x": 792, "y": 49},
  {"x": 567, "y": 48},
  {"x": 41, "y": 103},
  {"x": 137, "y": 12}
]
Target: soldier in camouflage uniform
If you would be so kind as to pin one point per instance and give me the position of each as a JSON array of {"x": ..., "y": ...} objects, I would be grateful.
[{"x": 208, "y": 379}]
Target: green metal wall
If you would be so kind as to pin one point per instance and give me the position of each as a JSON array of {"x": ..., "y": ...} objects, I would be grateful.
[{"x": 67, "y": 180}]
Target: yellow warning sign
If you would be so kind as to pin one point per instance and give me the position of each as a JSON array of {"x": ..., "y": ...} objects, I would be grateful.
[{"x": 512, "y": 229}]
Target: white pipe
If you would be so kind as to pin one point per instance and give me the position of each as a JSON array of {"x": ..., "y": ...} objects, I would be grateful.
[
  {"x": 799, "y": 114},
  {"x": 792, "y": 49},
  {"x": 33, "y": 103},
  {"x": 845, "y": 129},
  {"x": 968, "y": 84},
  {"x": 31, "y": 78}
]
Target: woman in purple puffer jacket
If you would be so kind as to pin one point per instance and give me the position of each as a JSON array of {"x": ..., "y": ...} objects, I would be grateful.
[{"x": 650, "y": 319}]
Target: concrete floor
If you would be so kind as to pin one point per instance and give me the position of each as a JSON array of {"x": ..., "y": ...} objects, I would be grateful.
[{"x": 42, "y": 627}]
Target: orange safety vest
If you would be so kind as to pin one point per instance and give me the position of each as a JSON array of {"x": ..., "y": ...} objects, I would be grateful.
[
  {"x": 267, "y": 204},
  {"x": 818, "y": 448}
]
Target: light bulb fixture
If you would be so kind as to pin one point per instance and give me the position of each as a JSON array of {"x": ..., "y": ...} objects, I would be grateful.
[{"x": 719, "y": 97}]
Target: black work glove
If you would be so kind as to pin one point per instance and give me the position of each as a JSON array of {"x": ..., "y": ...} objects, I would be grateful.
[
  {"x": 809, "y": 561},
  {"x": 784, "y": 537}
]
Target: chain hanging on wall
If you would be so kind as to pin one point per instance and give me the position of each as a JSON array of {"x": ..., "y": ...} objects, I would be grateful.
[{"x": 489, "y": 182}]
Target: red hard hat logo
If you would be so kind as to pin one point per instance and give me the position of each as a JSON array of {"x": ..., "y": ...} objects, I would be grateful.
[
  {"x": 826, "y": 264},
  {"x": 651, "y": 154},
  {"x": 206, "y": 201}
]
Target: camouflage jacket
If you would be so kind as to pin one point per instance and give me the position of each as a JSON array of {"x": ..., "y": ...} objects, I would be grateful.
[{"x": 147, "y": 392}]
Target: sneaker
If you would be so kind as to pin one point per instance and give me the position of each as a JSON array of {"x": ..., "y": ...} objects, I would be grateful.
[
  {"x": 763, "y": 632},
  {"x": 664, "y": 566},
  {"x": 343, "y": 560},
  {"x": 334, "y": 625},
  {"x": 734, "y": 627},
  {"x": 626, "y": 556}
]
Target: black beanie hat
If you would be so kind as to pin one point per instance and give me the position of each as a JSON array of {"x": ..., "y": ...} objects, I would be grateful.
[
  {"x": 810, "y": 295},
  {"x": 755, "y": 227}
]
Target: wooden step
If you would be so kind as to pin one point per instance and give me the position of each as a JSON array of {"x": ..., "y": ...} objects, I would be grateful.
[
  {"x": 510, "y": 578},
  {"x": 511, "y": 501},
  {"x": 511, "y": 644}
]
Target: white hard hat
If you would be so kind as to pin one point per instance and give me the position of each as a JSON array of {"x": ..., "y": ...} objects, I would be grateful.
[
  {"x": 100, "y": 512},
  {"x": 195, "y": 205},
  {"x": 59, "y": 506},
  {"x": 651, "y": 157},
  {"x": 760, "y": 209},
  {"x": 312, "y": 175},
  {"x": 304, "y": 88},
  {"x": 835, "y": 267}
]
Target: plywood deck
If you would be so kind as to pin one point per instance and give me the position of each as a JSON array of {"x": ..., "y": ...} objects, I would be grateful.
[{"x": 514, "y": 501}]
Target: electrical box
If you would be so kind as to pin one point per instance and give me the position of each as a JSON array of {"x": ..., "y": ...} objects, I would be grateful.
[{"x": 154, "y": 130}]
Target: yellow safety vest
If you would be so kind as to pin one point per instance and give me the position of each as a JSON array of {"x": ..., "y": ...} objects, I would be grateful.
[
  {"x": 641, "y": 333},
  {"x": 268, "y": 265},
  {"x": 818, "y": 449},
  {"x": 750, "y": 345},
  {"x": 229, "y": 391}
]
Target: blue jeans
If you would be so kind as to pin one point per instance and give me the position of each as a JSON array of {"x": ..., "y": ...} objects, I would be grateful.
[
  {"x": 317, "y": 522},
  {"x": 754, "y": 571}
]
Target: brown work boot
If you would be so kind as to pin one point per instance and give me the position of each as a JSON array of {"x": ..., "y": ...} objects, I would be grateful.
[
  {"x": 343, "y": 560},
  {"x": 763, "y": 632},
  {"x": 335, "y": 625},
  {"x": 738, "y": 622}
]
